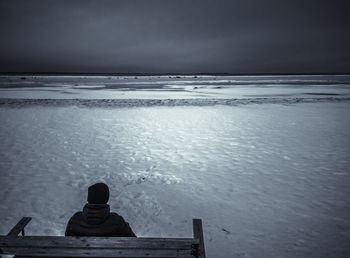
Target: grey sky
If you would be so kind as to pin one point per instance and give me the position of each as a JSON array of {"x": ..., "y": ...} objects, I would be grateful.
[{"x": 183, "y": 36}]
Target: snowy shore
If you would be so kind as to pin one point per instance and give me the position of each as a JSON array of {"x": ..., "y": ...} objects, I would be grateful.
[
  {"x": 122, "y": 103},
  {"x": 174, "y": 87},
  {"x": 269, "y": 176}
]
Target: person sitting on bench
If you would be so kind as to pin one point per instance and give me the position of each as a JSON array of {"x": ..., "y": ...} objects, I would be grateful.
[{"x": 96, "y": 218}]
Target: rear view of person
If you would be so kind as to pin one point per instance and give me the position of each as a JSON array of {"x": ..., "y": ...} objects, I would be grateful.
[{"x": 96, "y": 218}]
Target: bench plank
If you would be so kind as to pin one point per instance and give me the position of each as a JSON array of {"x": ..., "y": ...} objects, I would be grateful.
[
  {"x": 97, "y": 242},
  {"x": 87, "y": 252},
  {"x": 97, "y": 247}
]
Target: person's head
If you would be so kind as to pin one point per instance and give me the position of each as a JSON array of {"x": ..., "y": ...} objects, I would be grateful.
[{"x": 98, "y": 194}]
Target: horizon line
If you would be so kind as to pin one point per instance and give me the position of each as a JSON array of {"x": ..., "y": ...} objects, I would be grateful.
[{"x": 159, "y": 74}]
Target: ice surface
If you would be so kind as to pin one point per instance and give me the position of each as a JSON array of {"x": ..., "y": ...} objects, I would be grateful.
[{"x": 268, "y": 180}]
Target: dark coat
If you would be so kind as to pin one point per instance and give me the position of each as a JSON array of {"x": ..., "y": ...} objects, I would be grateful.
[{"x": 97, "y": 220}]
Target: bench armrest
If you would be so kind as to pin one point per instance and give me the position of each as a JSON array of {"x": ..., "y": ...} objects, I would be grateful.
[
  {"x": 19, "y": 227},
  {"x": 198, "y": 234}
]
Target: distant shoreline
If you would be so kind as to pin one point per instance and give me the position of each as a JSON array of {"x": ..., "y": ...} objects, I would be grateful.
[{"x": 158, "y": 74}]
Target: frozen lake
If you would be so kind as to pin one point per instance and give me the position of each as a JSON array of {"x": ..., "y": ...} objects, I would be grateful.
[{"x": 268, "y": 172}]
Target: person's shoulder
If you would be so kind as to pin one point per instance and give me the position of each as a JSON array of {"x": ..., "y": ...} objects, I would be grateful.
[
  {"x": 116, "y": 217},
  {"x": 77, "y": 215},
  {"x": 122, "y": 228},
  {"x": 74, "y": 220}
]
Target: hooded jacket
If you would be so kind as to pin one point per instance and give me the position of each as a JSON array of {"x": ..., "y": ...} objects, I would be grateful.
[{"x": 97, "y": 220}]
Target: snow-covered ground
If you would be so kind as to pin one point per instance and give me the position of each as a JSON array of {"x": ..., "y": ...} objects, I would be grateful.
[{"x": 268, "y": 180}]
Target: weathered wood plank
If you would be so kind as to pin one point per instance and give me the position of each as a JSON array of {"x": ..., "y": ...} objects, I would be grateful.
[
  {"x": 92, "y": 242},
  {"x": 104, "y": 252},
  {"x": 198, "y": 234},
  {"x": 26, "y": 256},
  {"x": 19, "y": 227}
]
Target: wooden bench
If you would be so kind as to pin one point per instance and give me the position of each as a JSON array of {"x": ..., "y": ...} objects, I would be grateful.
[{"x": 61, "y": 246}]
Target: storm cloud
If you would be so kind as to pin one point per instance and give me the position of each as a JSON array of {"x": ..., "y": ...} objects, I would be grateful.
[{"x": 250, "y": 36}]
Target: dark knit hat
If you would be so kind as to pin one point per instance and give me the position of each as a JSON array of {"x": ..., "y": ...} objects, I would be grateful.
[{"x": 98, "y": 194}]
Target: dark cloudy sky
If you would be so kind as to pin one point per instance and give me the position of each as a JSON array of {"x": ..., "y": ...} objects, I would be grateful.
[{"x": 183, "y": 36}]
